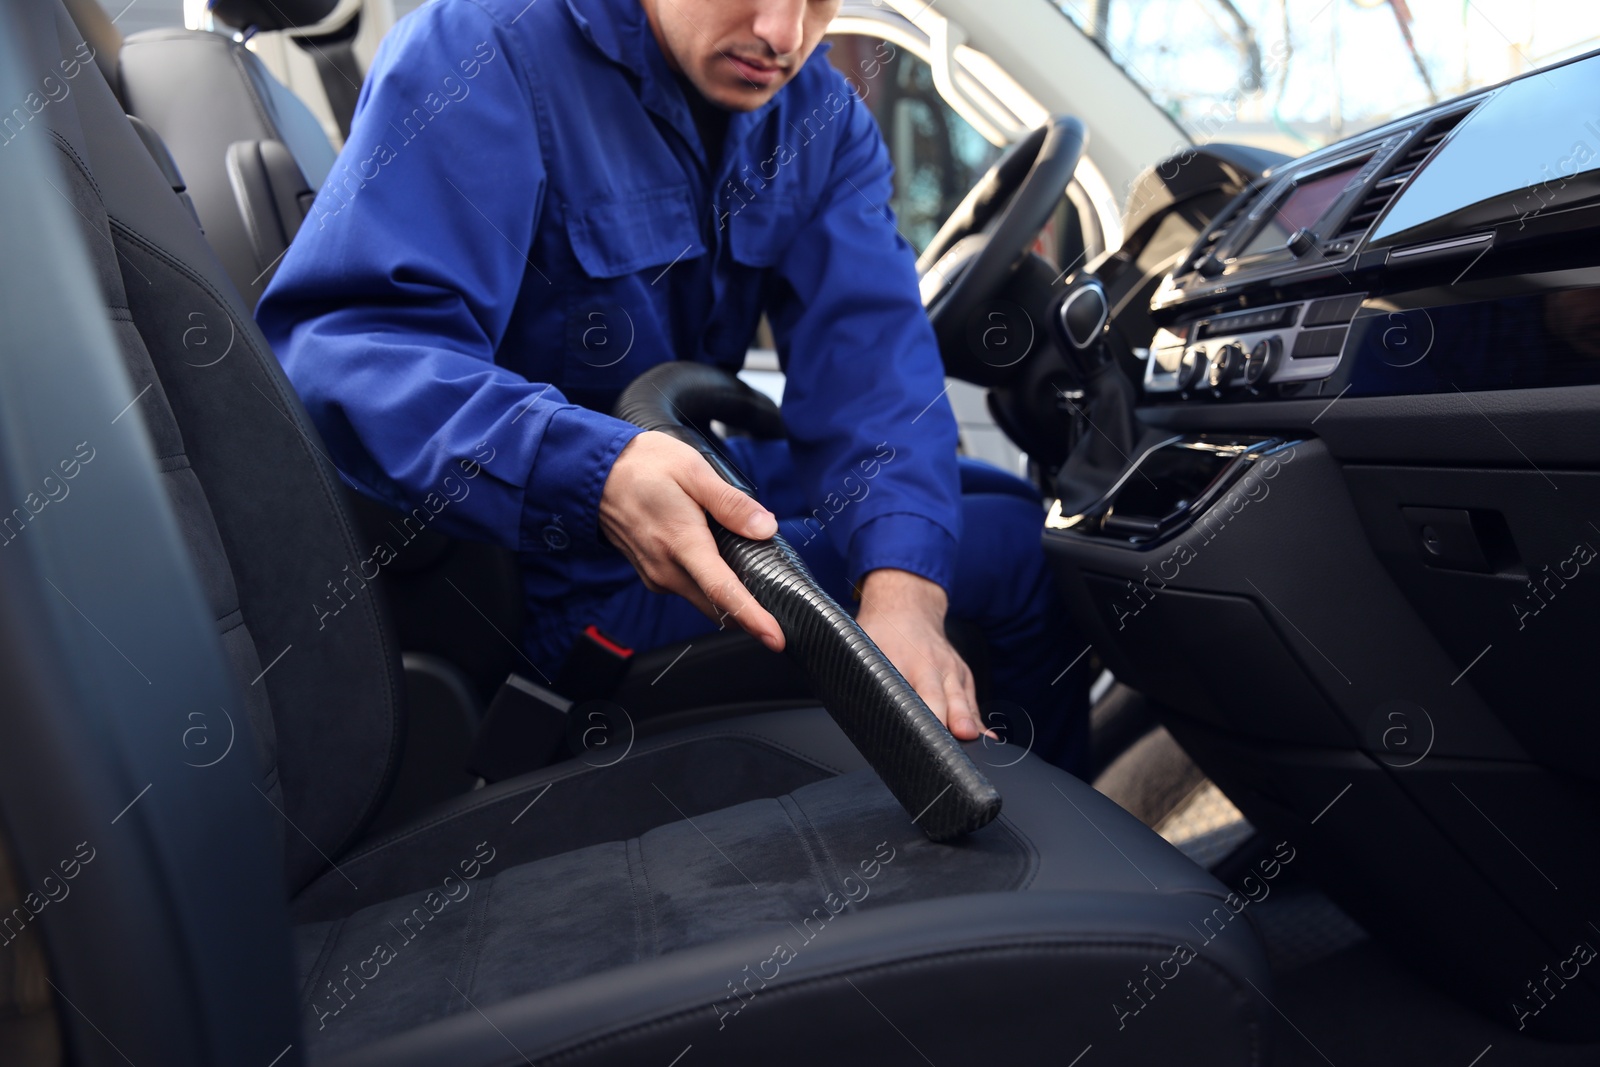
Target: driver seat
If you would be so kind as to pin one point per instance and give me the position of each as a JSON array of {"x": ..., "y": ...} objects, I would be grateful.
[{"x": 745, "y": 891}]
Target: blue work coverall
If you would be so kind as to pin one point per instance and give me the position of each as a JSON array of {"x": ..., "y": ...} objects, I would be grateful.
[{"x": 524, "y": 219}]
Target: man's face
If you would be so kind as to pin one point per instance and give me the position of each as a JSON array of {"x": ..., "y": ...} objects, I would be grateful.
[{"x": 738, "y": 53}]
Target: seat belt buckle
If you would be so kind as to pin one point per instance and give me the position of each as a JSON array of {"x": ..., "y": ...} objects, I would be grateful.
[
  {"x": 524, "y": 730},
  {"x": 595, "y": 667}
]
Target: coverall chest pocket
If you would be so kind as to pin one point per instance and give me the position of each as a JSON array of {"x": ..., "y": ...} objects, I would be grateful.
[
  {"x": 760, "y": 229},
  {"x": 757, "y": 230},
  {"x": 619, "y": 310}
]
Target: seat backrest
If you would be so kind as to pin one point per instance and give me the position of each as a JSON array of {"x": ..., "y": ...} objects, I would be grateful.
[
  {"x": 145, "y": 856},
  {"x": 204, "y": 93},
  {"x": 251, "y": 156},
  {"x": 210, "y": 98},
  {"x": 259, "y": 503}
]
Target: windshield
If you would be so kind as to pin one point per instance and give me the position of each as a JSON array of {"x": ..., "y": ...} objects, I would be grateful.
[{"x": 1294, "y": 75}]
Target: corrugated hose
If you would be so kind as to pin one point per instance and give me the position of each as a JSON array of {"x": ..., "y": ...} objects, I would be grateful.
[{"x": 921, "y": 763}]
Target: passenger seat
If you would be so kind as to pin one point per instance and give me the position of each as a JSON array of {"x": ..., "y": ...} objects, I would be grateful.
[
  {"x": 249, "y": 156},
  {"x": 250, "y": 151}
]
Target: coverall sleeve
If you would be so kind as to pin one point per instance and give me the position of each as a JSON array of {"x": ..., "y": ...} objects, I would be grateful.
[
  {"x": 872, "y": 432},
  {"x": 393, "y": 299}
]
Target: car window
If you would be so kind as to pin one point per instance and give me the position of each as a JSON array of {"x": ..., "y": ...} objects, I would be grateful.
[
  {"x": 937, "y": 154},
  {"x": 1293, "y": 75},
  {"x": 131, "y": 17},
  {"x": 402, "y": 8}
]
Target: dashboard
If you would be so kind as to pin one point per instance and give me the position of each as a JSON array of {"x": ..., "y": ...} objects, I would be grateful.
[
  {"x": 1370, "y": 621},
  {"x": 1458, "y": 248}
]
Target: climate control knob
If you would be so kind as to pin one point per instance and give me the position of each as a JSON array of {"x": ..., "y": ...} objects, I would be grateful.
[
  {"x": 1190, "y": 368},
  {"x": 1224, "y": 361},
  {"x": 1263, "y": 359}
]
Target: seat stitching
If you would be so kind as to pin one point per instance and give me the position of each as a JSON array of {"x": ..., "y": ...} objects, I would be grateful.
[
  {"x": 1010, "y": 946},
  {"x": 650, "y": 899},
  {"x": 330, "y": 937},
  {"x": 633, "y": 898},
  {"x": 635, "y": 846},
  {"x": 67, "y": 147},
  {"x": 1028, "y": 848},
  {"x": 822, "y": 842},
  {"x": 789, "y": 802},
  {"x": 477, "y": 925}
]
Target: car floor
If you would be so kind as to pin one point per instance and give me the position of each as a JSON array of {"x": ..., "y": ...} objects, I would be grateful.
[
  {"x": 1361, "y": 1006},
  {"x": 1343, "y": 1000}
]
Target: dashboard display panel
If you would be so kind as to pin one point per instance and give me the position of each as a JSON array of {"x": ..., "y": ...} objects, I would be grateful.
[{"x": 1304, "y": 204}]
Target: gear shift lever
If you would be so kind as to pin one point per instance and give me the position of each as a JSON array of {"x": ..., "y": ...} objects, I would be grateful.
[
  {"x": 1108, "y": 430},
  {"x": 1083, "y": 314}
]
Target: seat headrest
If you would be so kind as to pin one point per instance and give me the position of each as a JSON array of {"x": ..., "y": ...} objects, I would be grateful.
[{"x": 268, "y": 15}]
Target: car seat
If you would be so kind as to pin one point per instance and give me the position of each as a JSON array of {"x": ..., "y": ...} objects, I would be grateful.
[{"x": 742, "y": 891}]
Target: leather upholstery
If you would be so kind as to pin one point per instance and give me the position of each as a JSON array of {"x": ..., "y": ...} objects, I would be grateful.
[
  {"x": 981, "y": 980},
  {"x": 260, "y": 506},
  {"x": 678, "y": 871},
  {"x": 615, "y": 910},
  {"x": 109, "y": 639},
  {"x": 203, "y": 92}
]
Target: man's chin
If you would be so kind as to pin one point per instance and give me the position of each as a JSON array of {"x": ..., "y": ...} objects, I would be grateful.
[{"x": 738, "y": 97}]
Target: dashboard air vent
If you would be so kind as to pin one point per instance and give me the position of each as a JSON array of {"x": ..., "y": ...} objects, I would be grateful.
[{"x": 1399, "y": 171}]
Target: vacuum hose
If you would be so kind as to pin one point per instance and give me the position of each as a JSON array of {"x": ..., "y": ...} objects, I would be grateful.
[{"x": 924, "y": 767}]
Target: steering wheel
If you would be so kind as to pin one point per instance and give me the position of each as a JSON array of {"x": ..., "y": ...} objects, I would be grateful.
[{"x": 984, "y": 239}]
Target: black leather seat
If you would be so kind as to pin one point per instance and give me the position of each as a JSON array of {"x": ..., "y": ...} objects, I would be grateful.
[
  {"x": 725, "y": 886},
  {"x": 249, "y": 150},
  {"x": 744, "y": 890}
]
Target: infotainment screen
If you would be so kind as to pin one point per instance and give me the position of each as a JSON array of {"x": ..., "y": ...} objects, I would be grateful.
[{"x": 1304, "y": 203}]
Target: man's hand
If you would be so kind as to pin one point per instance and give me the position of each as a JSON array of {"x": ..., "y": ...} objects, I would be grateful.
[
  {"x": 904, "y": 614},
  {"x": 653, "y": 509}
]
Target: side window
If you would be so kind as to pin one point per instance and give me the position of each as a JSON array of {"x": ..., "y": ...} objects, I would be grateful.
[
  {"x": 937, "y": 155},
  {"x": 144, "y": 14}
]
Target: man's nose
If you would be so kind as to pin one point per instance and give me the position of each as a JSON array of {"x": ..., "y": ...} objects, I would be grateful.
[{"x": 781, "y": 24}]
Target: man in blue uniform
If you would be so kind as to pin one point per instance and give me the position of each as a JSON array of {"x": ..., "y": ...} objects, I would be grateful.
[{"x": 540, "y": 200}]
